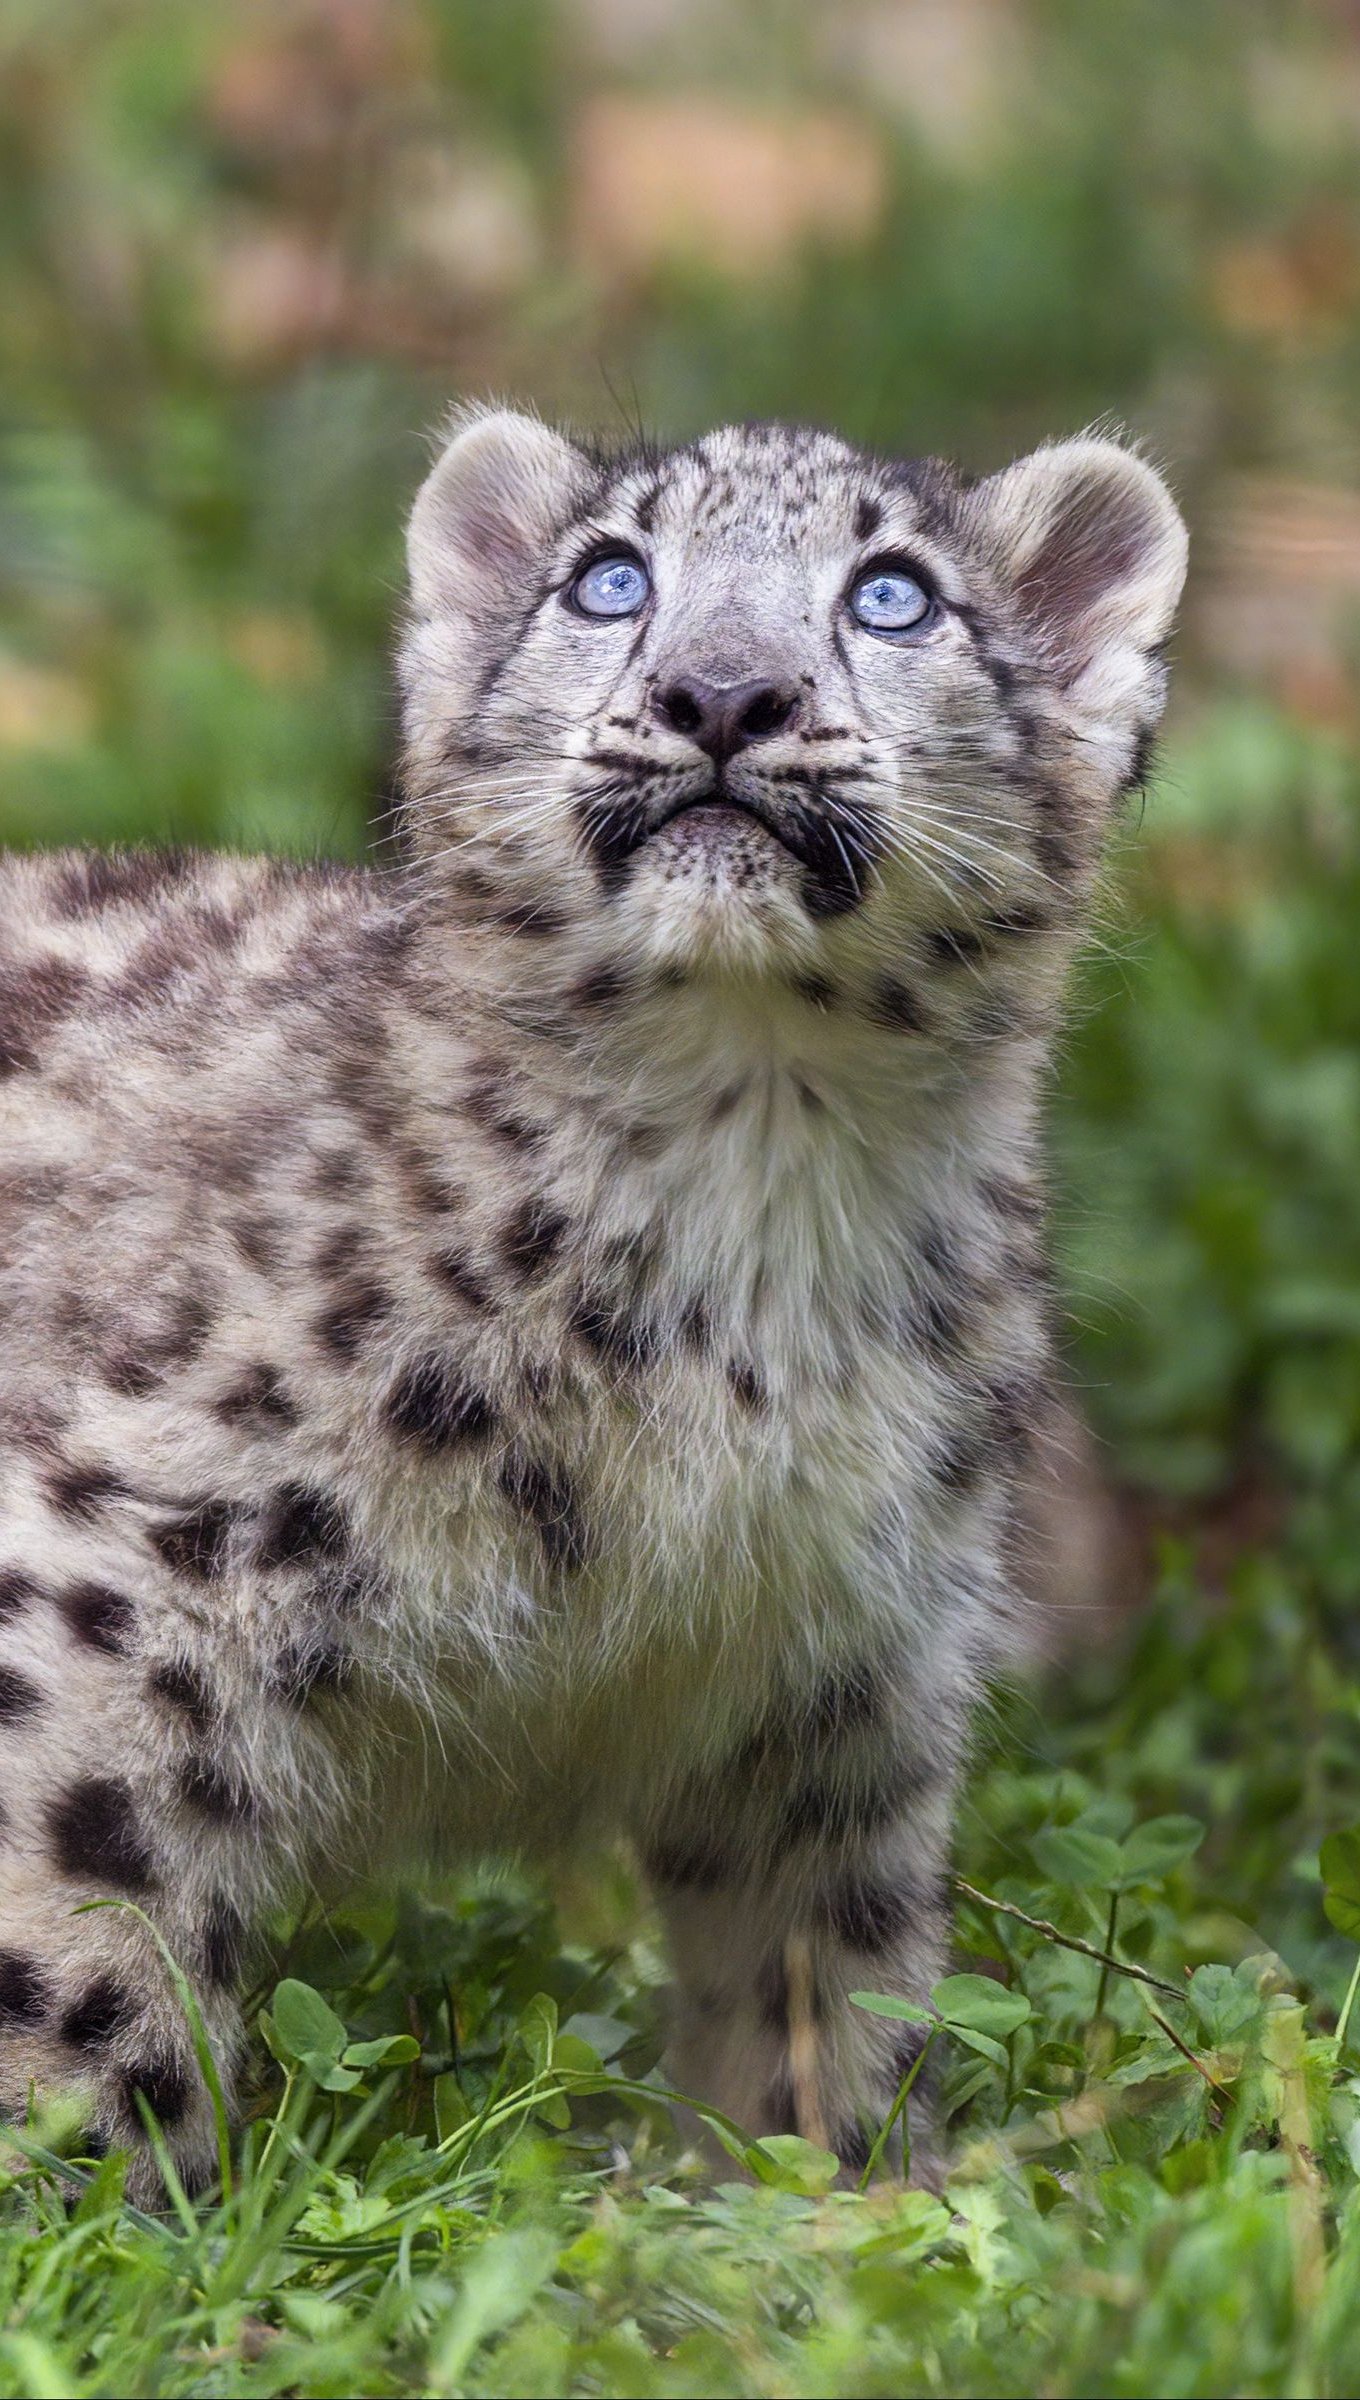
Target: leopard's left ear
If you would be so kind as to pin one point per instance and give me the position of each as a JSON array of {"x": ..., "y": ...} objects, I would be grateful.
[{"x": 1093, "y": 547}]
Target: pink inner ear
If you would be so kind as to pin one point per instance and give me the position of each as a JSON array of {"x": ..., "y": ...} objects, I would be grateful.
[
  {"x": 490, "y": 517},
  {"x": 1099, "y": 538}
]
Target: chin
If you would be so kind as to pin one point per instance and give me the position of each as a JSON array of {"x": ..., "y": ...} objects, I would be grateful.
[{"x": 728, "y": 902}]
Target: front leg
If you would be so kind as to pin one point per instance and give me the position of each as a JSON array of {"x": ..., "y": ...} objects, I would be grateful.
[{"x": 816, "y": 1868}]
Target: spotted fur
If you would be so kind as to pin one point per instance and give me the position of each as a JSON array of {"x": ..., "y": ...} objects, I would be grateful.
[{"x": 541, "y": 1344}]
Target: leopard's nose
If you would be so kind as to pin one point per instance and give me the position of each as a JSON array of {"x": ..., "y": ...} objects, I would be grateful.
[{"x": 722, "y": 718}]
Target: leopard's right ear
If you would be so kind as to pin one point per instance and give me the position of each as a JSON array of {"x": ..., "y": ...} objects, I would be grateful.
[{"x": 500, "y": 492}]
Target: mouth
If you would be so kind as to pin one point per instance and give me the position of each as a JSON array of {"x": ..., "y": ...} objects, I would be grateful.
[
  {"x": 836, "y": 850},
  {"x": 715, "y": 804}
]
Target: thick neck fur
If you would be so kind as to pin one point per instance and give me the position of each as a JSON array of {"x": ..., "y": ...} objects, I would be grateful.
[{"x": 738, "y": 1147}]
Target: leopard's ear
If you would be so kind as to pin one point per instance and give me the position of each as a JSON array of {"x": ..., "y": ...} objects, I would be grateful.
[
  {"x": 1093, "y": 547},
  {"x": 500, "y": 491}
]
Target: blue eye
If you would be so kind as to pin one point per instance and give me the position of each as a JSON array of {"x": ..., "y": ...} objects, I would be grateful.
[
  {"x": 614, "y": 586},
  {"x": 888, "y": 600}
]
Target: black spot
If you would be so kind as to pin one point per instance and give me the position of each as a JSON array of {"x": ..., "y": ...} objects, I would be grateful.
[
  {"x": 98, "y": 1616},
  {"x": 868, "y": 1914},
  {"x": 532, "y": 1238},
  {"x": 959, "y": 1459},
  {"x": 259, "y": 1393},
  {"x": 100, "y": 879},
  {"x": 33, "y": 998},
  {"x": 301, "y": 1523},
  {"x": 696, "y": 1323},
  {"x": 338, "y": 1174},
  {"x": 691, "y": 1861},
  {"x": 96, "y": 1837},
  {"x": 260, "y": 1242},
  {"x": 1014, "y": 923},
  {"x": 530, "y": 918},
  {"x": 833, "y": 889},
  {"x": 600, "y": 989},
  {"x": 340, "y": 1252},
  {"x": 613, "y": 826},
  {"x": 547, "y": 1497},
  {"x": 833, "y": 1812},
  {"x": 818, "y": 990},
  {"x": 954, "y": 945},
  {"x": 344, "y": 1327},
  {"x": 844, "y": 1704},
  {"x": 896, "y": 1008},
  {"x": 24, "y": 1995},
  {"x": 311, "y": 1669},
  {"x": 1054, "y": 853},
  {"x": 196, "y": 1543},
  {"x": 455, "y": 1269},
  {"x": 143, "y": 1363},
  {"x": 163, "y": 2084},
  {"x": 433, "y": 1404},
  {"x": 205, "y": 1786},
  {"x": 491, "y": 1104},
  {"x": 1014, "y": 1406},
  {"x": 746, "y": 1386},
  {"x": 182, "y": 1685},
  {"x": 612, "y": 1333},
  {"x": 1142, "y": 762},
  {"x": 16, "y": 1591},
  {"x": 868, "y": 517},
  {"x": 18, "y": 1697},
  {"x": 1010, "y": 1198},
  {"x": 102, "y": 2010},
  {"x": 79, "y": 1491},
  {"x": 224, "y": 1940}
]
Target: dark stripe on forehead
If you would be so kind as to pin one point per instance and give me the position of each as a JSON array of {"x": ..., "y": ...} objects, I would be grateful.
[{"x": 933, "y": 485}]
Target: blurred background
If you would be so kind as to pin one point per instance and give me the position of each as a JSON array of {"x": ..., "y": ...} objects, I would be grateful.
[{"x": 248, "y": 254}]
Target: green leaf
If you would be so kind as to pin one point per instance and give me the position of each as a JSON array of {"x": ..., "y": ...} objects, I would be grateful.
[
  {"x": 305, "y": 2027},
  {"x": 1153, "y": 1849},
  {"x": 327, "y": 2072},
  {"x": 790, "y": 2164},
  {"x": 606, "y": 2035},
  {"x": 391, "y": 2050},
  {"x": 975, "y": 2003},
  {"x": 1339, "y": 1859},
  {"x": 884, "y": 2004},
  {"x": 498, "y": 2284},
  {"x": 1070, "y": 1856},
  {"x": 572, "y": 2056},
  {"x": 537, "y": 2029},
  {"x": 983, "y": 2043}
]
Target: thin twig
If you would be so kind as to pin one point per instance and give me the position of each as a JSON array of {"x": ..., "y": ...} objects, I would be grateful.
[
  {"x": 1068, "y": 1941},
  {"x": 1187, "y": 2052}
]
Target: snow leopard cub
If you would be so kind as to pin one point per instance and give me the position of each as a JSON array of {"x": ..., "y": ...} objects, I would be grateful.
[{"x": 541, "y": 1344}]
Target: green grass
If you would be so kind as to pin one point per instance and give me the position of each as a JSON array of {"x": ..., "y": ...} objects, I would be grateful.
[{"x": 1154, "y": 2184}]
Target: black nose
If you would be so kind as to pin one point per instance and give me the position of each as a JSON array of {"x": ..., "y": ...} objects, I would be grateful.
[{"x": 725, "y": 717}]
